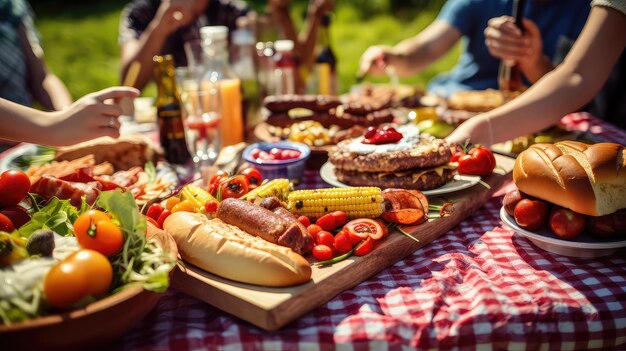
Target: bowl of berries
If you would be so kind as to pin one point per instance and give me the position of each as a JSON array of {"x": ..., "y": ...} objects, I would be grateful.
[{"x": 283, "y": 159}]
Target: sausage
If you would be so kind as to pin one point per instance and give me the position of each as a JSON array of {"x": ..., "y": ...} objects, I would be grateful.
[
  {"x": 261, "y": 222},
  {"x": 284, "y": 103},
  {"x": 296, "y": 235}
]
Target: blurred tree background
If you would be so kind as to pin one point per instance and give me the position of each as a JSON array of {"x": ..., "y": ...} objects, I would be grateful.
[{"x": 80, "y": 37}]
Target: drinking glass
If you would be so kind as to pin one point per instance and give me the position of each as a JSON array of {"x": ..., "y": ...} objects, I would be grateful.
[{"x": 201, "y": 117}]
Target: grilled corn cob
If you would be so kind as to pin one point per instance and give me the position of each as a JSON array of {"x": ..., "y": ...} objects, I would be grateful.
[
  {"x": 197, "y": 196},
  {"x": 278, "y": 187},
  {"x": 358, "y": 202}
]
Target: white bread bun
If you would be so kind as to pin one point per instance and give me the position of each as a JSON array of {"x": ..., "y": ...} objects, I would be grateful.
[
  {"x": 589, "y": 179},
  {"x": 127, "y": 151},
  {"x": 229, "y": 252}
]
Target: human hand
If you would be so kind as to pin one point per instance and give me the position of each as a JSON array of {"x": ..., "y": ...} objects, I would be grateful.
[
  {"x": 375, "y": 60},
  {"x": 475, "y": 130},
  {"x": 90, "y": 117},
  {"x": 507, "y": 42},
  {"x": 174, "y": 14}
]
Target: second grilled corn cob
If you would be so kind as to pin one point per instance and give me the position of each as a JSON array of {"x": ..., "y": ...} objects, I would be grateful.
[{"x": 357, "y": 202}]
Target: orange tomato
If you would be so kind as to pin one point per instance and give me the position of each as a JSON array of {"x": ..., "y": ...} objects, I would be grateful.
[
  {"x": 96, "y": 267},
  {"x": 94, "y": 230}
]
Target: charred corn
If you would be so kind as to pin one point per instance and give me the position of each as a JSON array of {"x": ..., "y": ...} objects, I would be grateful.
[
  {"x": 197, "y": 196},
  {"x": 357, "y": 202},
  {"x": 279, "y": 188}
]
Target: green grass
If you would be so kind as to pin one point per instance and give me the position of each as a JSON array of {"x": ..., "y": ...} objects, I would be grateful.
[{"x": 80, "y": 38}]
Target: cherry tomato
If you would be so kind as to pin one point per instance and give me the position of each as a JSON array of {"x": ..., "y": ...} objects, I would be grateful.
[
  {"x": 341, "y": 218},
  {"x": 235, "y": 187},
  {"x": 5, "y": 224},
  {"x": 327, "y": 222},
  {"x": 154, "y": 211},
  {"x": 211, "y": 206},
  {"x": 253, "y": 177},
  {"x": 325, "y": 238},
  {"x": 364, "y": 227},
  {"x": 322, "y": 252},
  {"x": 94, "y": 230},
  {"x": 215, "y": 180},
  {"x": 342, "y": 243},
  {"x": 163, "y": 217},
  {"x": 152, "y": 221},
  {"x": 14, "y": 185},
  {"x": 170, "y": 203},
  {"x": 17, "y": 214},
  {"x": 478, "y": 161},
  {"x": 314, "y": 229},
  {"x": 354, "y": 236},
  {"x": 365, "y": 247},
  {"x": 531, "y": 214},
  {"x": 566, "y": 224},
  {"x": 83, "y": 273},
  {"x": 304, "y": 220}
]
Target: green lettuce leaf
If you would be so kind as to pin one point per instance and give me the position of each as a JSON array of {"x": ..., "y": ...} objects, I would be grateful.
[{"x": 57, "y": 215}]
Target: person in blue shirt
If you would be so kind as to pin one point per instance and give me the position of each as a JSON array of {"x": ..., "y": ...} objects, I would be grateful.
[{"x": 488, "y": 35}]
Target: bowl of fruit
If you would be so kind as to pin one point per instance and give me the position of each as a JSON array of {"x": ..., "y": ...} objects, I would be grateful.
[{"x": 283, "y": 159}]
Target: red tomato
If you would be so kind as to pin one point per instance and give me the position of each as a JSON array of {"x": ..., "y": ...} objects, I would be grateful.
[
  {"x": 14, "y": 185},
  {"x": 17, "y": 214},
  {"x": 531, "y": 214},
  {"x": 235, "y": 187},
  {"x": 342, "y": 243},
  {"x": 214, "y": 181},
  {"x": 322, "y": 252},
  {"x": 94, "y": 230},
  {"x": 455, "y": 156},
  {"x": 566, "y": 224},
  {"x": 152, "y": 221},
  {"x": 325, "y": 238},
  {"x": 314, "y": 229},
  {"x": 365, "y": 247},
  {"x": 277, "y": 153},
  {"x": 154, "y": 211},
  {"x": 383, "y": 225},
  {"x": 341, "y": 218},
  {"x": 5, "y": 224},
  {"x": 327, "y": 222},
  {"x": 304, "y": 220},
  {"x": 253, "y": 177},
  {"x": 354, "y": 236},
  {"x": 364, "y": 227},
  {"x": 478, "y": 161},
  {"x": 163, "y": 217},
  {"x": 211, "y": 206}
]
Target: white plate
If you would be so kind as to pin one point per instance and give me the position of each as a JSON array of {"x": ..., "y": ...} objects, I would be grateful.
[
  {"x": 460, "y": 182},
  {"x": 8, "y": 161},
  {"x": 584, "y": 246}
]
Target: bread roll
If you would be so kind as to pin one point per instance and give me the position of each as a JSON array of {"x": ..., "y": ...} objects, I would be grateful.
[
  {"x": 229, "y": 252},
  {"x": 589, "y": 179}
]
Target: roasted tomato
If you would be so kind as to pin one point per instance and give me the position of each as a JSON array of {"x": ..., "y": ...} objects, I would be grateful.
[
  {"x": 478, "y": 161},
  {"x": 566, "y": 224},
  {"x": 253, "y": 177},
  {"x": 14, "y": 185},
  {"x": 94, "y": 230},
  {"x": 364, "y": 227},
  {"x": 235, "y": 186},
  {"x": 215, "y": 180}
]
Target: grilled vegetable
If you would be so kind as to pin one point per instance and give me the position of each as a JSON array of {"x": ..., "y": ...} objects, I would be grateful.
[
  {"x": 197, "y": 196},
  {"x": 357, "y": 202},
  {"x": 12, "y": 249},
  {"x": 278, "y": 187}
]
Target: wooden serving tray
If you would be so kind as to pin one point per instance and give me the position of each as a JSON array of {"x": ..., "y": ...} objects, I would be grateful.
[{"x": 272, "y": 308}]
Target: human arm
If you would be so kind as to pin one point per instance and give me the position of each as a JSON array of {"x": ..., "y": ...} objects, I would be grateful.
[
  {"x": 170, "y": 16},
  {"x": 568, "y": 87},
  {"x": 45, "y": 87},
  {"x": 411, "y": 55},
  {"x": 506, "y": 42},
  {"x": 85, "y": 119}
]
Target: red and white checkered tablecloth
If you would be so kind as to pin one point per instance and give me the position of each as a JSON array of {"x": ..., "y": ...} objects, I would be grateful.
[{"x": 478, "y": 287}]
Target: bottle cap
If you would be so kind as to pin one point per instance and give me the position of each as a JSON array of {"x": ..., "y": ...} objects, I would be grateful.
[
  {"x": 283, "y": 45},
  {"x": 214, "y": 32}
]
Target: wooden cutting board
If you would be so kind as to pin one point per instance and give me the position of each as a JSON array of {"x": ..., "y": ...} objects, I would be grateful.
[{"x": 272, "y": 308}]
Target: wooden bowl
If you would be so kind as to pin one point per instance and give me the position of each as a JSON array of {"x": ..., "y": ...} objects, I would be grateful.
[{"x": 94, "y": 325}]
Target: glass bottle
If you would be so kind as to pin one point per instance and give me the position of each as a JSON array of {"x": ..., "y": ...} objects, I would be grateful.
[
  {"x": 218, "y": 72},
  {"x": 324, "y": 78},
  {"x": 284, "y": 68},
  {"x": 244, "y": 53},
  {"x": 510, "y": 75},
  {"x": 265, "y": 59},
  {"x": 169, "y": 111}
]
